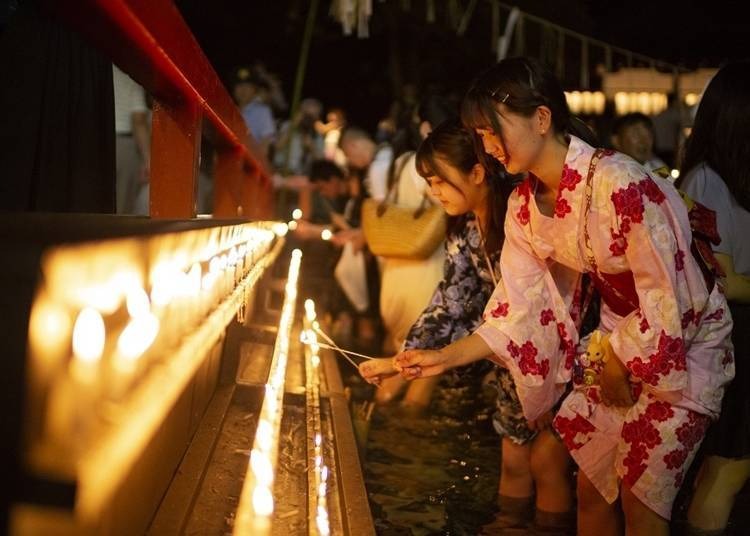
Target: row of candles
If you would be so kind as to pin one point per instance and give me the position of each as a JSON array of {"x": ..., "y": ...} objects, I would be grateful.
[
  {"x": 95, "y": 331},
  {"x": 319, "y": 518},
  {"x": 256, "y": 506}
]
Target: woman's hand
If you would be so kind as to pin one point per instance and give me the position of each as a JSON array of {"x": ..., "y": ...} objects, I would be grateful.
[
  {"x": 375, "y": 370},
  {"x": 615, "y": 384},
  {"x": 415, "y": 364}
]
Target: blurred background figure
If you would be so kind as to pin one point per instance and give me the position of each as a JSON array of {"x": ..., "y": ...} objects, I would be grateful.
[
  {"x": 716, "y": 173},
  {"x": 247, "y": 88},
  {"x": 323, "y": 204},
  {"x": 299, "y": 142},
  {"x": 667, "y": 127},
  {"x": 133, "y": 144},
  {"x": 633, "y": 134},
  {"x": 331, "y": 132}
]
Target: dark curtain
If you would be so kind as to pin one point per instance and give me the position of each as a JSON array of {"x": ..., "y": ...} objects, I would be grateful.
[{"x": 57, "y": 144}]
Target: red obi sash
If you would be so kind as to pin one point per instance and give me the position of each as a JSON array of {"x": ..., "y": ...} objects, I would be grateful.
[{"x": 617, "y": 291}]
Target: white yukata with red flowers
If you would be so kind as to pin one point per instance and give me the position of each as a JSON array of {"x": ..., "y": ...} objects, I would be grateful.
[{"x": 675, "y": 343}]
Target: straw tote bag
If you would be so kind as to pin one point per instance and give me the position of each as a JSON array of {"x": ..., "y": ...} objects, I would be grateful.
[{"x": 402, "y": 232}]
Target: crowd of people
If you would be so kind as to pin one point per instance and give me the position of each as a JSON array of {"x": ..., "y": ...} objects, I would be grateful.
[{"x": 573, "y": 276}]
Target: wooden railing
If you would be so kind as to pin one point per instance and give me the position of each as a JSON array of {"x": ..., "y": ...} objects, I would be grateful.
[{"x": 149, "y": 40}]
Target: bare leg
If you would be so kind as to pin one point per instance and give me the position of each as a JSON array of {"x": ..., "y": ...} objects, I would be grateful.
[
  {"x": 390, "y": 388},
  {"x": 419, "y": 394},
  {"x": 516, "y": 492},
  {"x": 596, "y": 517},
  {"x": 550, "y": 467},
  {"x": 515, "y": 470},
  {"x": 640, "y": 520},
  {"x": 719, "y": 482}
]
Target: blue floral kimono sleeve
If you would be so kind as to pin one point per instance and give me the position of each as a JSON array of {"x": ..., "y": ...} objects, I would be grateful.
[{"x": 458, "y": 303}]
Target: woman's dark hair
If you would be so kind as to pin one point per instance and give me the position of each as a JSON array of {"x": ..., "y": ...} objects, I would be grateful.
[
  {"x": 522, "y": 84},
  {"x": 720, "y": 136},
  {"x": 452, "y": 143}
]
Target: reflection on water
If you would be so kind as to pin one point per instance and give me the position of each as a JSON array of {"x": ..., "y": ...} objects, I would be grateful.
[{"x": 434, "y": 474}]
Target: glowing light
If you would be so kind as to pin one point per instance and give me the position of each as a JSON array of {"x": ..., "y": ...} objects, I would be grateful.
[
  {"x": 296, "y": 214},
  {"x": 256, "y": 500},
  {"x": 137, "y": 302},
  {"x": 262, "y": 467},
  {"x": 599, "y": 102},
  {"x": 574, "y": 101},
  {"x": 622, "y": 105},
  {"x": 691, "y": 99},
  {"x": 675, "y": 173},
  {"x": 292, "y": 225},
  {"x": 166, "y": 279},
  {"x": 310, "y": 309},
  {"x": 208, "y": 281},
  {"x": 312, "y": 390},
  {"x": 88, "y": 336},
  {"x": 49, "y": 328},
  {"x": 264, "y": 435},
  {"x": 263, "y": 501},
  {"x": 214, "y": 265},
  {"x": 232, "y": 258},
  {"x": 194, "y": 280},
  {"x": 137, "y": 336},
  {"x": 280, "y": 229},
  {"x": 326, "y": 234}
]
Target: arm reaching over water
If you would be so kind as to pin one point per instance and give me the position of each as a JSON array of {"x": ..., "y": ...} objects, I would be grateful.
[
  {"x": 415, "y": 364},
  {"x": 375, "y": 370}
]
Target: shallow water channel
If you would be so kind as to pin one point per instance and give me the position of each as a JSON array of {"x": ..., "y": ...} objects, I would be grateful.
[{"x": 436, "y": 473}]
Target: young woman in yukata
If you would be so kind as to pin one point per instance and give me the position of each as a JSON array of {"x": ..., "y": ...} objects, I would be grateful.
[
  {"x": 635, "y": 430},
  {"x": 474, "y": 194}
]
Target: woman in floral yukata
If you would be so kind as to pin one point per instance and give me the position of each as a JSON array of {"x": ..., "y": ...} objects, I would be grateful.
[
  {"x": 666, "y": 326},
  {"x": 473, "y": 193}
]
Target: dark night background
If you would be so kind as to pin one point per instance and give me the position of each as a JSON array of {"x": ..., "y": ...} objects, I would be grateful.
[{"x": 363, "y": 75}]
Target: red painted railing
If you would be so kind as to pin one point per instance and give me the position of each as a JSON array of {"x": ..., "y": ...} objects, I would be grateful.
[{"x": 150, "y": 41}]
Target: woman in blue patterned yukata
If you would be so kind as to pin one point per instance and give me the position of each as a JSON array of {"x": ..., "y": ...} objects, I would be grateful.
[{"x": 473, "y": 194}]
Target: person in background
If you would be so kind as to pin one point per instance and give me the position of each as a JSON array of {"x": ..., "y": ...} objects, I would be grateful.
[
  {"x": 299, "y": 142},
  {"x": 133, "y": 129},
  {"x": 371, "y": 159},
  {"x": 331, "y": 132},
  {"x": 633, "y": 134},
  {"x": 246, "y": 90},
  {"x": 716, "y": 173},
  {"x": 323, "y": 204},
  {"x": 667, "y": 131},
  {"x": 368, "y": 171}
]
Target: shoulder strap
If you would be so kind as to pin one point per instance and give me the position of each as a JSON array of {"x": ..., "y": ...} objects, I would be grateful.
[
  {"x": 587, "y": 209},
  {"x": 590, "y": 258}
]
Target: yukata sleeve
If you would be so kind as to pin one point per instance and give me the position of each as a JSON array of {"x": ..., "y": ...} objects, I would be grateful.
[
  {"x": 650, "y": 229},
  {"x": 527, "y": 323},
  {"x": 457, "y": 304},
  {"x": 705, "y": 186}
]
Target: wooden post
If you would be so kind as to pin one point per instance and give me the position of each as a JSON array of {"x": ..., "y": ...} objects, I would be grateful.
[{"x": 175, "y": 146}]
